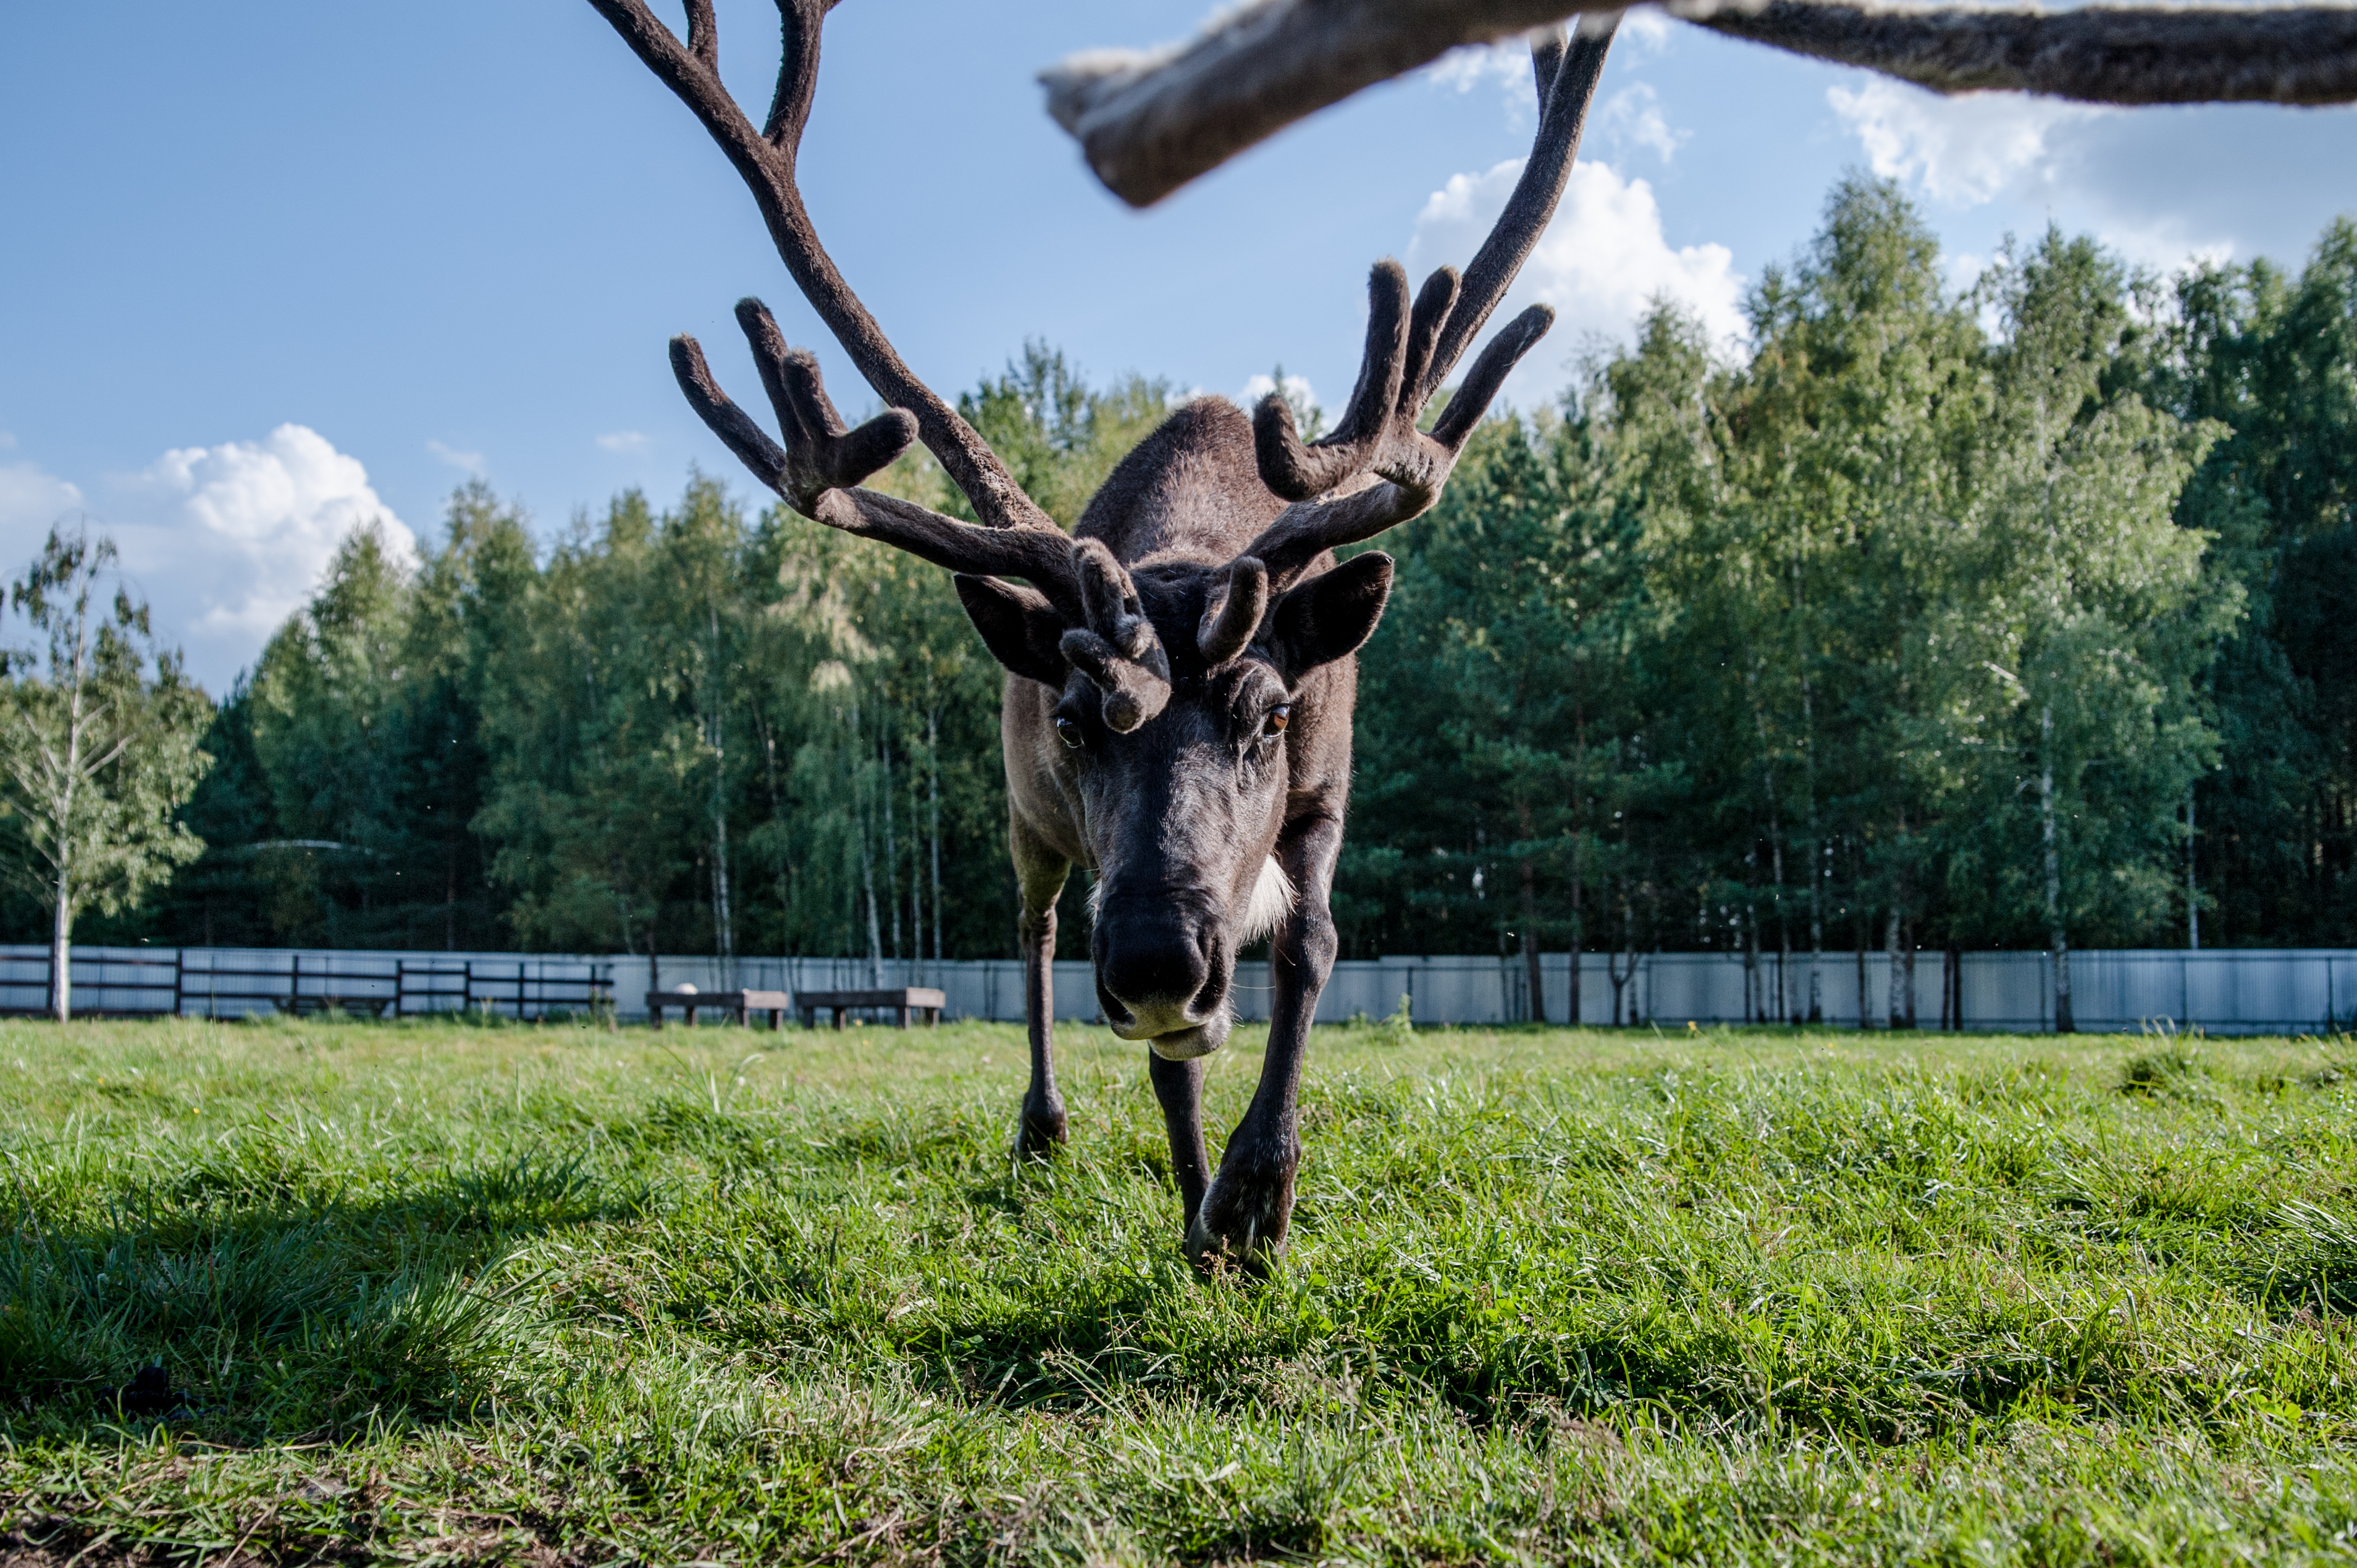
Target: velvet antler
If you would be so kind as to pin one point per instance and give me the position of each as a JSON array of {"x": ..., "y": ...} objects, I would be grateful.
[
  {"x": 1117, "y": 650},
  {"x": 1148, "y": 122},
  {"x": 820, "y": 461},
  {"x": 1232, "y": 610},
  {"x": 1378, "y": 468}
]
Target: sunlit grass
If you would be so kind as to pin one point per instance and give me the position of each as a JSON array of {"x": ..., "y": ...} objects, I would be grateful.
[{"x": 430, "y": 1291}]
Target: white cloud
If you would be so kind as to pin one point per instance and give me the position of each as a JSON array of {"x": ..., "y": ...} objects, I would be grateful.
[
  {"x": 1646, "y": 29},
  {"x": 1297, "y": 391},
  {"x": 1601, "y": 263},
  {"x": 226, "y": 541},
  {"x": 2131, "y": 179},
  {"x": 464, "y": 462},
  {"x": 2164, "y": 242},
  {"x": 1634, "y": 115},
  {"x": 1964, "y": 151},
  {"x": 31, "y": 501},
  {"x": 623, "y": 441},
  {"x": 1505, "y": 66}
]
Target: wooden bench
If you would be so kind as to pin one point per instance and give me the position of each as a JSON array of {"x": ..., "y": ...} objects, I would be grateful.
[
  {"x": 899, "y": 1000},
  {"x": 740, "y": 1006},
  {"x": 350, "y": 1006}
]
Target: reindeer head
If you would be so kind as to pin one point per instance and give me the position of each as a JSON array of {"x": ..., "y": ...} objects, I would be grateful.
[
  {"x": 1182, "y": 684},
  {"x": 1179, "y": 808},
  {"x": 1197, "y": 693},
  {"x": 1169, "y": 725}
]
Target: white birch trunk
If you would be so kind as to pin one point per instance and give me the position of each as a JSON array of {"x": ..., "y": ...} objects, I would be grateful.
[
  {"x": 61, "y": 945},
  {"x": 1816, "y": 866},
  {"x": 1897, "y": 1009},
  {"x": 61, "y": 916},
  {"x": 934, "y": 784},
  {"x": 2192, "y": 892},
  {"x": 2058, "y": 940},
  {"x": 891, "y": 842}
]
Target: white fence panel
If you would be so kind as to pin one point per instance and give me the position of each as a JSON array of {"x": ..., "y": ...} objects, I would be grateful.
[{"x": 2231, "y": 991}]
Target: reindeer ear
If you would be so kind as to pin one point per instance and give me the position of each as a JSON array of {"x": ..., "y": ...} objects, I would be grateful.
[
  {"x": 1019, "y": 626},
  {"x": 1330, "y": 615}
]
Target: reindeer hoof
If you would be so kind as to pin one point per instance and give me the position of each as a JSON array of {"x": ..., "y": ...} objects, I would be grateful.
[
  {"x": 1241, "y": 1224},
  {"x": 1038, "y": 1133}
]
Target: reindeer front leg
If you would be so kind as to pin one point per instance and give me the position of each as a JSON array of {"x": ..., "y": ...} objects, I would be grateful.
[
  {"x": 1244, "y": 1215},
  {"x": 1178, "y": 1086},
  {"x": 1040, "y": 873}
]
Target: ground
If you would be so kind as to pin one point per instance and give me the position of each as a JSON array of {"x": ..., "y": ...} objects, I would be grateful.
[{"x": 560, "y": 1295}]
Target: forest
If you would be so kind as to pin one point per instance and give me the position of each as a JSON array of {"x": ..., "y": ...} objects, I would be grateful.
[{"x": 2013, "y": 613}]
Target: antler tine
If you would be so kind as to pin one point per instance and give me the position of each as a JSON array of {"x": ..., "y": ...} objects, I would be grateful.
[
  {"x": 765, "y": 158},
  {"x": 1568, "y": 69},
  {"x": 819, "y": 467},
  {"x": 1233, "y": 611},
  {"x": 732, "y": 425},
  {"x": 807, "y": 415},
  {"x": 1406, "y": 361},
  {"x": 1297, "y": 471},
  {"x": 1399, "y": 346},
  {"x": 1116, "y": 650},
  {"x": 790, "y": 105},
  {"x": 703, "y": 34}
]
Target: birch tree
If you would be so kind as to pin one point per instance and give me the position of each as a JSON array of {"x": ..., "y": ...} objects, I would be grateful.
[
  {"x": 2097, "y": 617},
  {"x": 99, "y": 735}
]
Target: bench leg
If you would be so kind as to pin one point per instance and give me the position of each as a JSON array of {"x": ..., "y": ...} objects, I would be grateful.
[
  {"x": 690, "y": 1011},
  {"x": 838, "y": 1018},
  {"x": 654, "y": 1013},
  {"x": 775, "y": 1014},
  {"x": 901, "y": 1020},
  {"x": 742, "y": 1020}
]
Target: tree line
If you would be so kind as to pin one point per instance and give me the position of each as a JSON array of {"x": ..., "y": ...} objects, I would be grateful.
[{"x": 1935, "y": 618}]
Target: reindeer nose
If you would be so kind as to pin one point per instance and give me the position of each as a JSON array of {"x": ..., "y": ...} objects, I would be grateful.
[{"x": 1155, "y": 977}]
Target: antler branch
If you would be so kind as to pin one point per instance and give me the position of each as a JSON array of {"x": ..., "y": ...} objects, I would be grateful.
[
  {"x": 2099, "y": 54},
  {"x": 765, "y": 158},
  {"x": 1150, "y": 122},
  {"x": 1410, "y": 351},
  {"x": 1116, "y": 650},
  {"x": 820, "y": 464}
]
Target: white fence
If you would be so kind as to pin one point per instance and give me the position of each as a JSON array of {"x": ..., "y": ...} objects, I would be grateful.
[{"x": 2228, "y": 991}]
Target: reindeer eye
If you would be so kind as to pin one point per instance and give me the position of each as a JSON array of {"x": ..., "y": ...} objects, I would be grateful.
[
  {"x": 1278, "y": 717},
  {"x": 1068, "y": 731}
]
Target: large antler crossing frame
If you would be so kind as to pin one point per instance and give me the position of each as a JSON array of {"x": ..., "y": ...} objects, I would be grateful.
[
  {"x": 821, "y": 462},
  {"x": 1149, "y": 121},
  {"x": 1375, "y": 470}
]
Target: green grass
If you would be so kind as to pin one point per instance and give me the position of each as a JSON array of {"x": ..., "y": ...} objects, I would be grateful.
[{"x": 554, "y": 1295}]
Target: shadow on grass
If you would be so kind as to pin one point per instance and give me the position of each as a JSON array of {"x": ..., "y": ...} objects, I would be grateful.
[{"x": 272, "y": 1312}]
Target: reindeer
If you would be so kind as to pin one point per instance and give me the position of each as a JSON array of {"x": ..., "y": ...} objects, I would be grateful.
[{"x": 1179, "y": 669}]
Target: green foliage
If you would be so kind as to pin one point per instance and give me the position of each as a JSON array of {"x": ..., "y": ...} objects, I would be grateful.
[
  {"x": 1817, "y": 650},
  {"x": 424, "y": 1290},
  {"x": 1930, "y": 619},
  {"x": 96, "y": 754},
  {"x": 695, "y": 730},
  {"x": 2273, "y": 359}
]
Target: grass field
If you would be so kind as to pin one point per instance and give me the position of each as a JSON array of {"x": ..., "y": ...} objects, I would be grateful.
[{"x": 432, "y": 1292}]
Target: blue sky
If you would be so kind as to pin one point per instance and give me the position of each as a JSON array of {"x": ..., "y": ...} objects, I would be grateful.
[{"x": 271, "y": 269}]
